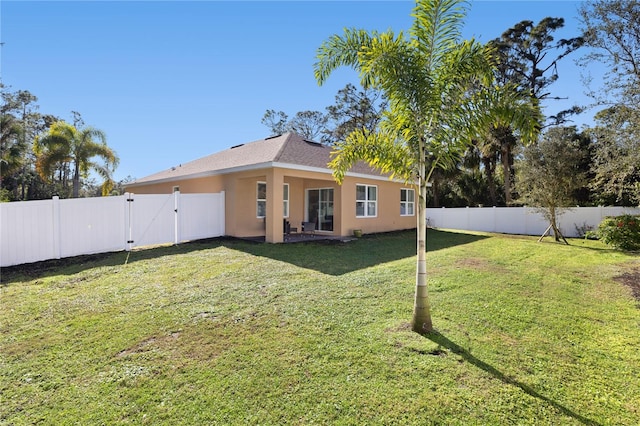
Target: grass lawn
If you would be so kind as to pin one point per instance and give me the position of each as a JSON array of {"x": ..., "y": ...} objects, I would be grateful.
[{"x": 232, "y": 332}]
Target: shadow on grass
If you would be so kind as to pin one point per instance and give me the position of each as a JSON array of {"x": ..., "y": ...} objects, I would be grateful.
[
  {"x": 329, "y": 256},
  {"x": 444, "y": 342},
  {"x": 76, "y": 264},
  {"x": 333, "y": 257}
]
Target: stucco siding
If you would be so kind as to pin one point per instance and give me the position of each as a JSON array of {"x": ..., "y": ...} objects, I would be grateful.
[
  {"x": 187, "y": 186},
  {"x": 387, "y": 217}
]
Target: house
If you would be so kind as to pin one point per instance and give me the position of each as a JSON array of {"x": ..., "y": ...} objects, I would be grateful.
[{"x": 287, "y": 177}]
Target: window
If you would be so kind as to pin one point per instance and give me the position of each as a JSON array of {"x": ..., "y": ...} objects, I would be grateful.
[
  {"x": 285, "y": 200},
  {"x": 366, "y": 200},
  {"x": 262, "y": 199},
  {"x": 407, "y": 202}
]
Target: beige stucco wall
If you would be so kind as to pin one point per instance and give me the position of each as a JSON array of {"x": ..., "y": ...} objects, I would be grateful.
[
  {"x": 188, "y": 186},
  {"x": 388, "y": 215},
  {"x": 241, "y": 201}
]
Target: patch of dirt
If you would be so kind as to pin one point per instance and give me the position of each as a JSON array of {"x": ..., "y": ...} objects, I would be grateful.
[
  {"x": 480, "y": 264},
  {"x": 149, "y": 344},
  {"x": 632, "y": 280},
  {"x": 473, "y": 262}
]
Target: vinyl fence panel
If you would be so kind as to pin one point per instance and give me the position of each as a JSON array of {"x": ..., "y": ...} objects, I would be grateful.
[
  {"x": 521, "y": 220},
  {"x": 92, "y": 225},
  {"x": 202, "y": 216},
  {"x": 31, "y": 231},
  {"x": 27, "y": 232}
]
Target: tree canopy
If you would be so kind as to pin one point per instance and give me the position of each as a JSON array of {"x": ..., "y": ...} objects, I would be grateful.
[
  {"x": 612, "y": 31},
  {"x": 66, "y": 146},
  {"x": 550, "y": 175}
]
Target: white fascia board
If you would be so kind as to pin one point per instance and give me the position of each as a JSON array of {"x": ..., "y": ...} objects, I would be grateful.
[
  {"x": 208, "y": 173},
  {"x": 328, "y": 171},
  {"x": 259, "y": 166}
]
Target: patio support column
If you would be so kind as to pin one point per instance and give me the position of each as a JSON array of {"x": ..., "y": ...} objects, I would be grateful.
[{"x": 275, "y": 209}]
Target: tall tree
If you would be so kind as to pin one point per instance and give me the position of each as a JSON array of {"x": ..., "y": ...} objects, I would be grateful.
[
  {"x": 308, "y": 124},
  {"x": 550, "y": 176},
  {"x": 528, "y": 55},
  {"x": 612, "y": 31},
  {"x": 525, "y": 50},
  {"x": 12, "y": 147},
  {"x": 616, "y": 165},
  {"x": 22, "y": 105},
  {"x": 276, "y": 121},
  {"x": 65, "y": 145},
  {"x": 354, "y": 110},
  {"x": 427, "y": 78}
]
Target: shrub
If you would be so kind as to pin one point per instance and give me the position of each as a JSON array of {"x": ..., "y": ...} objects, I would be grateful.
[{"x": 622, "y": 232}]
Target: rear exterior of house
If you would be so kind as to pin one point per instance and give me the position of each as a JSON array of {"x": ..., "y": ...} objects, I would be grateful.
[{"x": 286, "y": 178}]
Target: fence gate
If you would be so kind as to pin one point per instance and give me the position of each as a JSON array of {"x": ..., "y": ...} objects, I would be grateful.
[{"x": 32, "y": 231}]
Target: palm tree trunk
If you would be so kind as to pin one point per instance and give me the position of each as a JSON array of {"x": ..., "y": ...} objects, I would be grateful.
[
  {"x": 421, "y": 322},
  {"x": 489, "y": 167},
  {"x": 506, "y": 171},
  {"x": 76, "y": 181}
]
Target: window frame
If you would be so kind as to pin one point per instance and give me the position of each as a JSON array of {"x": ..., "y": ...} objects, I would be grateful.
[
  {"x": 367, "y": 202},
  {"x": 285, "y": 200},
  {"x": 261, "y": 200},
  {"x": 406, "y": 203}
]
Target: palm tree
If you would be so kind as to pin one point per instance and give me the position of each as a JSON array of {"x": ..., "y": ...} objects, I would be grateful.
[
  {"x": 431, "y": 80},
  {"x": 12, "y": 145},
  {"x": 65, "y": 146}
]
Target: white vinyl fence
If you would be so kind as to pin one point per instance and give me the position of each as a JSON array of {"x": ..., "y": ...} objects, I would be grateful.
[
  {"x": 31, "y": 231},
  {"x": 521, "y": 220}
]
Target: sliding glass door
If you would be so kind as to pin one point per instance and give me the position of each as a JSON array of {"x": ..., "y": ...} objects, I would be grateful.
[{"x": 320, "y": 208}]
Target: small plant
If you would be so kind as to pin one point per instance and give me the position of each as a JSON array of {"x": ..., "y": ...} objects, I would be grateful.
[
  {"x": 585, "y": 231},
  {"x": 5, "y": 195},
  {"x": 622, "y": 232}
]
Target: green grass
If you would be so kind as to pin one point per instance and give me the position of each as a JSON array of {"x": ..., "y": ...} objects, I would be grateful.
[{"x": 230, "y": 332}]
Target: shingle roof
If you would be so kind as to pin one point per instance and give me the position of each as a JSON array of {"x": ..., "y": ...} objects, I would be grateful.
[{"x": 288, "y": 149}]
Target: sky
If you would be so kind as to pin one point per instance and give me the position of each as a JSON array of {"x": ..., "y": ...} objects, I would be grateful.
[{"x": 173, "y": 81}]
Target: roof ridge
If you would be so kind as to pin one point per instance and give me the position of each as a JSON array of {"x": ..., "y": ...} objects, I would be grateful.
[{"x": 278, "y": 155}]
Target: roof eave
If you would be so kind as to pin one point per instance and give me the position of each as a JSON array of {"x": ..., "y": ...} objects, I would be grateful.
[{"x": 259, "y": 166}]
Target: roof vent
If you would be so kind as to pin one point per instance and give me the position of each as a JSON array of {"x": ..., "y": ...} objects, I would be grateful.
[
  {"x": 314, "y": 143},
  {"x": 237, "y": 146}
]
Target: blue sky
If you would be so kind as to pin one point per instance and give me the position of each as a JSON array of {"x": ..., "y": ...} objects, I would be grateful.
[{"x": 173, "y": 81}]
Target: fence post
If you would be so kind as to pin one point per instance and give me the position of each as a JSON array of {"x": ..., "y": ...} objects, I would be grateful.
[
  {"x": 176, "y": 217},
  {"x": 494, "y": 215},
  {"x": 57, "y": 246},
  {"x": 128, "y": 217},
  {"x": 221, "y": 228},
  {"x": 468, "y": 217}
]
